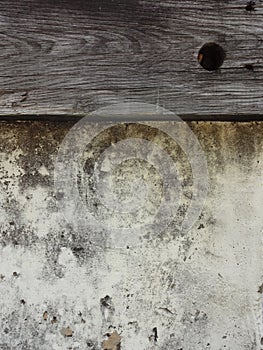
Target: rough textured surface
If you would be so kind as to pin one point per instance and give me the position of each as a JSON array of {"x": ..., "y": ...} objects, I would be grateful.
[
  {"x": 72, "y": 57},
  {"x": 199, "y": 291}
]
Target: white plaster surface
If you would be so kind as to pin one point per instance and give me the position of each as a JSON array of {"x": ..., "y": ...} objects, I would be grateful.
[{"x": 195, "y": 291}]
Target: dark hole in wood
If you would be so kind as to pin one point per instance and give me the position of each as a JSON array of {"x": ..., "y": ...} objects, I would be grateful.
[
  {"x": 249, "y": 66},
  {"x": 211, "y": 56},
  {"x": 251, "y": 6}
]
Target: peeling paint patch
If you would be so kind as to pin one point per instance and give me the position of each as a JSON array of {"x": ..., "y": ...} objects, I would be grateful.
[
  {"x": 66, "y": 331},
  {"x": 113, "y": 342}
]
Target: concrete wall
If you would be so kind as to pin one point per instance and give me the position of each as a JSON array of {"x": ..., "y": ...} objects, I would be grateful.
[{"x": 62, "y": 288}]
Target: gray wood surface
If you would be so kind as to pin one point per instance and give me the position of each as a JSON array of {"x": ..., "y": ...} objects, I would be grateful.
[{"x": 72, "y": 57}]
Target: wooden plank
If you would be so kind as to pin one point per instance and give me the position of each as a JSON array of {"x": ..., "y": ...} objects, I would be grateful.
[{"x": 72, "y": 57}]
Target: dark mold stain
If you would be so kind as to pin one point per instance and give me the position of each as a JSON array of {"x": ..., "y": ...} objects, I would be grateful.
[
  {"x": 155, "y": 334},
  {"x": 92, "y": 345},
  {"x": 106, "y": 303},
  {"x": 231, "y": 142},
  {"x": 21, "y": 329},
  {"x": 38, "y": 142},
  {"x": 260, "y": 289},
  {"x": 121, "y": 132},
  {"x": 54, "y": 320},
  {"x": 200, "y": 226}
]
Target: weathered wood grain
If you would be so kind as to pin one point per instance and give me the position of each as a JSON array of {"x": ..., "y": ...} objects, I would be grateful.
[{"x": 72, "y": 57}]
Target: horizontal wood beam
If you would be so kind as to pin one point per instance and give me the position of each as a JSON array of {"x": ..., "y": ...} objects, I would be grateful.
[{"x": 72, "y": 57}]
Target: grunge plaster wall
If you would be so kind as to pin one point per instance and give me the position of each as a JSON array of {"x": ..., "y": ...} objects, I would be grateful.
[{"x": 202, "y": 290}]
